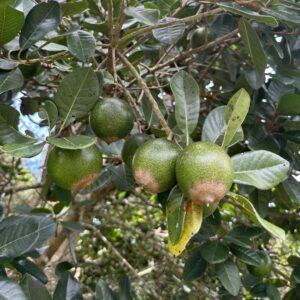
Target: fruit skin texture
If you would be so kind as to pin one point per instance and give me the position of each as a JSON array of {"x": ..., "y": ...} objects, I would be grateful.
[
  {"x": 74, "y": 169},
  {"x": 131, "y": 145},
  {"x": 204, "y": 172},
  {"x": 264, "y": 269},
  {"x": 112, "y": 119},
  {"x": 198, "y": 37},
  {"x": 154, "y": 165}
]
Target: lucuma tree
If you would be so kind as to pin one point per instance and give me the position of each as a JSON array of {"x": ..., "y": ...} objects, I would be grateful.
[{"x": 203, "y": 201}]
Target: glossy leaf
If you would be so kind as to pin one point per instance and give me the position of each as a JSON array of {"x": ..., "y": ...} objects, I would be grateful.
[
  {"x": 11, "y": 22},
  {"x": 215, "y": 126},
  {"x": 229, "y": 276},
  {"x": 73, "y": 8},
  {"x": 7, "y": 64},
  {"x": 214, "y": 252},
  {"x": 41, "y": 19},
  {"x": 125, "y": 288},
  {"x": 77, "y": 94},
  {"x": 9, "y": 120},
  {"x": 67, "y": 288},
  {"x": 50, "y": 113},
  {"x": 4, "y": 3},
  {"x": 81, "y": 44},
  {"x": 11, "y": 290},
  {"x": 253, "y": 46},
  {"x": 28, "y": 149},
  {"x": 175, "y": 214},
  {"x": 235, "y": 114},
  {"x": 250, "y": 14},
  {"x": 11, "y": 80},
  {"x": 144, "y": 15},
  {"x": 246, "y": 255},
  {"x": 72, "y": 142},
  {"x": 187, "y": 101},
  {"x": 262, "y": 169},
  {"x": 254, "y": 216},
  {"x": 194, "y": 267},
  {"x": 34, "y": 289},
  {"x": 169, "y": 35},
  {"x": 122, "y": 177},
  {"x": 102, "y": 291},
  {"x": 191, "y": 225},
  {"x": 289, "y": 105},
  {"x": 21, "y": 234}
]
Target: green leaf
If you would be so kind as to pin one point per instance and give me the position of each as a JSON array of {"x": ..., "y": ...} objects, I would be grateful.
[
  {"x": 255, "y": 217},
  {"x": 7, "y": 64},
  {"x": 144, "y": 15},
  {"x": 289, "y": 105},
  {"x": 187, "y": 101},
  {"x": 5, "y": 3},
  {"x": 25, "y": 265},
  {"x": 215, "y": 126},
  {"x": 253, "y": 46},
  {"x": 125, "y": 288},
  {"x": 22, "y": 234},
  {"x": 67, "y": 288},
  {"x": 11, "y": 22},
  {"x": 272, "y": 292},
  {"x": 291, "y": 186},
  {"x": 169, "y": 35},
  {"x": 262, "y": 169},
  {"x": 288, "y": 18},
  {"x": 214, "y": 252},
  {"x": 49, "y": 111},
  {"x": 11, "y": 80},
  {"x": 246, "y": 255},
  {"x": 175, "y": 214},
  {"x": 72, "y": 142},
  {"x": 77, "y": 94},
  {"x": 72, "y": 226},
  {"x": 250, "y": 14},
  {"x": 10, "y": 290},
  {"x": 194, "y": 267},
  {"x": 122, "y": 177},
  {"x": 73, "y": 8},
  {"x": 81, "y": 44},
  {"x": 9, "y": 120},
  {"x": 28, "y": 149},
  {"x": 235, "y": 114},
  {"x": 242, "y": 235},
  {"x": 229, "y": 276},
  {"x": 34, "y": 289},
  {"x": 41, "y": 19},
  {"x": 102, "y": 291}
]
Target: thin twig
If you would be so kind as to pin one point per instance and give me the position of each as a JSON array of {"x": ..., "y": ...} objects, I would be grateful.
[{"x": 14, "y": 189}]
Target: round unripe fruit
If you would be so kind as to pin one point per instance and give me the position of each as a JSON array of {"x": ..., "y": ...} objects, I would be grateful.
[
  {"x": 204, "y": 172},
  {"x": 264, "y": 269},
  {"x": 131, "y": 145},
  {"x": 198, "y": 37},
  {"x": 74, "y": 169},
  {"x": 112, "y": 119},
  {"x": 154, "y": 165}
]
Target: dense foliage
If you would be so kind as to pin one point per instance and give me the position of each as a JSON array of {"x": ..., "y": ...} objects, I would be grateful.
[{"x": 84, "y": 77}]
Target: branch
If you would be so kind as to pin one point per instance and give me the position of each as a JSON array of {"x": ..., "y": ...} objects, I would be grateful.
[
  {"x": 147, "y": 92},
  {"x": 14, "y": 189},
  {"x": 147, "y": 29}
]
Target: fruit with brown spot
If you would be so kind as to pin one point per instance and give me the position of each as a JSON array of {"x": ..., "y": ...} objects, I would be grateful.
[
  {"x": 154, "y": 165},
  {"x": 74, "y": 169},
  {"x": 204, "y": 172}
]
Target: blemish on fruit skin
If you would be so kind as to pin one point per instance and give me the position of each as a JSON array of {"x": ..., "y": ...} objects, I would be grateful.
[
  {"x": 147, "y": 180},
  {"x": 86, "y": 181},
  {"x": 207, "y": 192}
]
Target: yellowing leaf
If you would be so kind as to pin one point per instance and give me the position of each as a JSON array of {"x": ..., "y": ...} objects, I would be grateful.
[{"x": 192, "y": 224}]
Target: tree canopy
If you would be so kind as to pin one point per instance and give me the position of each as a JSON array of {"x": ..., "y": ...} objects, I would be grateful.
[{"x": 110, "y": 186}]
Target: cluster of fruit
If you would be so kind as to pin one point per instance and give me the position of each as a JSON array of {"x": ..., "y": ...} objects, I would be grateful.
[{"x": 203, "y": 170}]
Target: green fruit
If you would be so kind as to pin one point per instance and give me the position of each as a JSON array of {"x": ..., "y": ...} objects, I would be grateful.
[
  {"x": 198, "y": 37},
  {"x": 112, "y": 119},
  {"x": 263, "y": 269},
  {"x": 204, "y": 172},
  {"x": 154, "y": 165},
  {"x": 74, "y": 169},
  {"x": 131, "y": 145}
]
